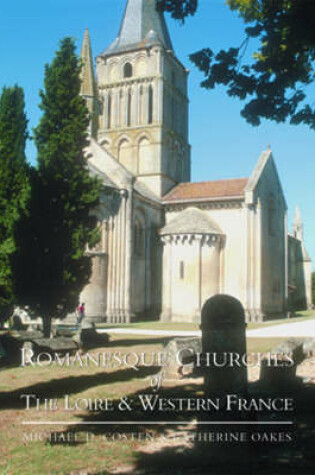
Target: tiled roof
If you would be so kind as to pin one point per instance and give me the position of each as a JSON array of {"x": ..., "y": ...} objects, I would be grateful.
[
  {"x": 142, "y": 24},
  {"x": 207, "y": 190}
]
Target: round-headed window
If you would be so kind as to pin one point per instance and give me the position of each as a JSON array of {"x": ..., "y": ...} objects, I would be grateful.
[{"x": 127, "y": 70}]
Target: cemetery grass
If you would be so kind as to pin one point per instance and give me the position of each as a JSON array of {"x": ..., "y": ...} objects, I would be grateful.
[{"x": 21, "y": 456}]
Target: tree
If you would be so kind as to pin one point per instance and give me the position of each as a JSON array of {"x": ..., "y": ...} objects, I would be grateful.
[
  {"x": 64, "y": 196},
  {"x": 274, "y": 81},
  {"x": 14, "y": 189}
]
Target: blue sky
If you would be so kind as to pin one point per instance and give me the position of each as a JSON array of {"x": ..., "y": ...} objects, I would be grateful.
[{"x": 223, "y": 144}]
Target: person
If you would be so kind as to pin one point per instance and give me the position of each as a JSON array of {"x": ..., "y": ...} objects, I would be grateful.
[{"x": 81, "y": 312}]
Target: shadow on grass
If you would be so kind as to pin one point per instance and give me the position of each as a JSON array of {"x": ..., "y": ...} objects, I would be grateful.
[
  {"x": 56, "y": 388},
  {"x": 167, "y": 445}
]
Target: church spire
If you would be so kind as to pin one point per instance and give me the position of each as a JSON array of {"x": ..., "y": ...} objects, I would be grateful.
[
  {"x": 87, "y": 74},
  {"x": 142, "y": 25},
  {"x": 88, "y": 84},
  {"x": 298, "y": 224}
]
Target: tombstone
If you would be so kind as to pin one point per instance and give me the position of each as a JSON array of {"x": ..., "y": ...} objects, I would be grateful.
[
  {"x": 309, "y": 347},
  {"x": 180, "y": 358},
  {"x": 88, "y": 337},
  {"x": 276, "y": 372},
  {"x": 55, "y": 345},
  {"x": 223, "y": 363},
  {"x": 224, "y": 346},
  {"x": 17, "y": 323}
]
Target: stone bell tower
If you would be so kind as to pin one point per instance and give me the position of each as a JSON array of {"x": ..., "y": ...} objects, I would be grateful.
[{"x": 142, "y": 88}]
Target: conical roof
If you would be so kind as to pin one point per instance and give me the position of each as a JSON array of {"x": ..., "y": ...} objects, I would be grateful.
[
  {"x": 191, "y": 221},
  {"x": 142, "y": 25}
]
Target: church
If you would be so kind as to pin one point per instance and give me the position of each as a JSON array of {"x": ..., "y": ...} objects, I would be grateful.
[{"x": 168, "y": 244}]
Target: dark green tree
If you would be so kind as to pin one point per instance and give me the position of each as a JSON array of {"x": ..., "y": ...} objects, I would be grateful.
[
  {"x": 14, "y": 189},
  {"x": 64, "y": 195},
  {"x": 274, "y": 81}
]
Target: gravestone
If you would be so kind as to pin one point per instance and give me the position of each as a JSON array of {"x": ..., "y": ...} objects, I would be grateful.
[
  {"x": 309, "y": 347},
  {"x": 88, "y": 337},
  {"x": 13, "y": 342},
  {"x": 223, "y": 363},
  {"x": 55, "y": 345},
  {"x": 224, "y": 346},
  {"x": 17, "y": 323},
  {"x": 180, "y": 356},
  {"x": 276, "y": 371}
]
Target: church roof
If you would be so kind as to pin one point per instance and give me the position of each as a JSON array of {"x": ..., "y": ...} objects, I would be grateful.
[
  {"x": 142, "y": 25},
  {"x": 207, "y": 190},
  {"x": 191, "y": 220}
]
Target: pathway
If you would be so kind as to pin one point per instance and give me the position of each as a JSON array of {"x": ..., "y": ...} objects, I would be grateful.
[{"x": 305, "y": 328}]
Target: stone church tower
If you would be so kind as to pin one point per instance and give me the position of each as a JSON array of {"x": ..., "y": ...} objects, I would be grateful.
[
  {"x": 167, "y": 244},
  {"x": 142, "y": 89}
]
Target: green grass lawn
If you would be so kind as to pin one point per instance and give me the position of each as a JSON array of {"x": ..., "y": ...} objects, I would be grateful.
[
  {"x": 157, "y": 325},
  {"x": 153, "y": 325},
  {"x": 94, "y": 452}
]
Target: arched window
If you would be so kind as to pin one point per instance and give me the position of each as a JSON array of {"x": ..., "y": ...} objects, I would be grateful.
[
  {"x": 145, "y": 156},
  {"x": 181, "y": 270},
  {"x": 124, "y": 152},
  {"x": 127, "y": 70},
  {"x": 141, "y": 104},
  {"x": 109, "y": 111},
  {"x": 150, "y": 105},
  {"x": 121, "y": 108},
  {"x": 129, "y": 108}
]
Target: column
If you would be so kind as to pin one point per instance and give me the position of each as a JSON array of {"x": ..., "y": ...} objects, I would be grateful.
[
  {"x": 118, "y": 275},
  {"x": 105, "y": 111},
  {"x": 128, "y": 261},
  {"x": 110, "y": 269},
  {"x": 134, "y": 104},
  {"x": 146, "y": 103},
  {"x": 115, "y": 108},
  {"x": 198, "y": 241},
  {"x": 122, "y": 307}
]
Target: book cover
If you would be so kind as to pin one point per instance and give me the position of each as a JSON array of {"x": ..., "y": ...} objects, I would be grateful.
[{"x": 191, "y": 349}]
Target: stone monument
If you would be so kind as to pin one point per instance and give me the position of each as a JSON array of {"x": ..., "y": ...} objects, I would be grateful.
[{"x": 224, "y": 346}]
